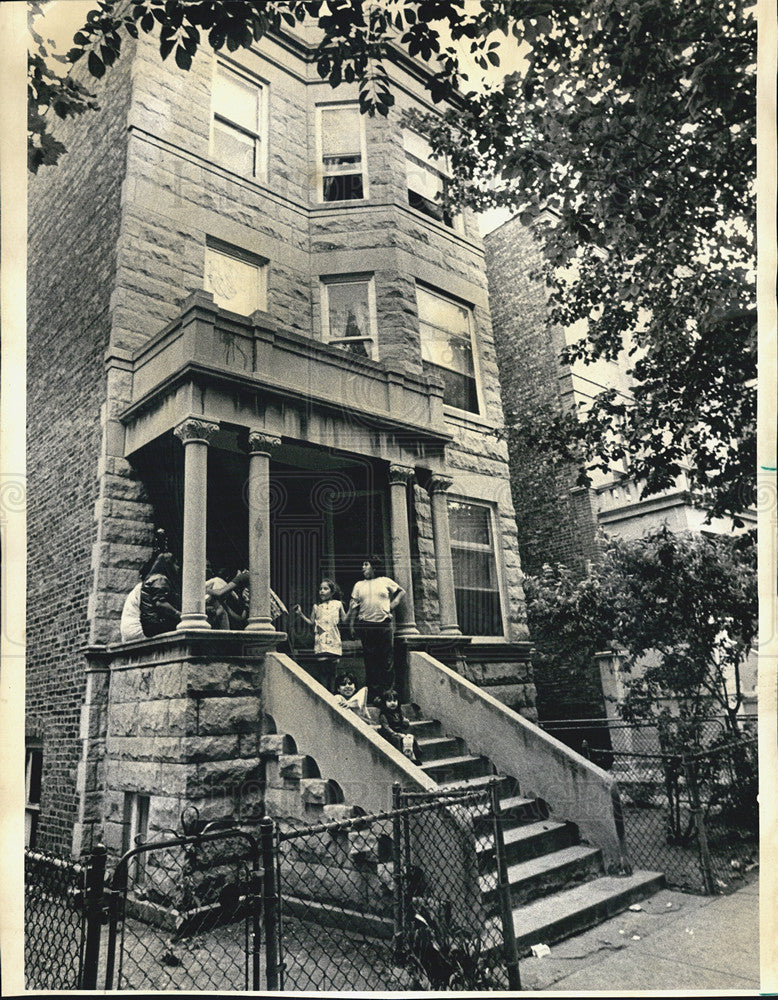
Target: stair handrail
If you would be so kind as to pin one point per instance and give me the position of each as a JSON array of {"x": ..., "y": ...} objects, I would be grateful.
[{"x": 572, "y": 787}]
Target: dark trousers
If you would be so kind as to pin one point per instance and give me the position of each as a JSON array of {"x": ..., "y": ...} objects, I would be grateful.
[{"x": 377, "y": 650}]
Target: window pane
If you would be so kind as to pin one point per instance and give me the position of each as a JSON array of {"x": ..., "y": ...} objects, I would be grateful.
[
  {"x": 237, "y": 100},
  {"x": 469, "y": 523},
  {"x": 423, "y": 180},
  {"x": 474, "y": 568},
  {"x": 34, "y": 772},
  {"x": 349, "y": 311},
  {"x": 459, "y": 391},
  {"x": 443, "y": 313},
  {"x": 234, "y": 149},
  {"x": 235, "y": 284},
  {"x": 340, "y": 131},
  {"x": 342, "y": 187},
  {"x": 478, "y": 612}
]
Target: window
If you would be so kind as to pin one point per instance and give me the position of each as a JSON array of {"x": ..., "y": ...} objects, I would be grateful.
[
  {"x": 342, "y": 146},
  {"x": 236, "y": 278},
  {"x": 445, "y": 327},
  {"x": 237, "y": 122},
  {"x": 348, "y": 311},
  {"x": 476, "y": 582},
  {"x": 33, "y": 772},
  {"x": 427, "y": 179}
]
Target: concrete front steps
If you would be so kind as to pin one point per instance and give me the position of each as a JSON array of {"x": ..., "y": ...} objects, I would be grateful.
[{"x": 558, "y": 885}]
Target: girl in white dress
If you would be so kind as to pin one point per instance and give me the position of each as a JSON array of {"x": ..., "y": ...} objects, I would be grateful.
[{"x": 326, "y": 617}]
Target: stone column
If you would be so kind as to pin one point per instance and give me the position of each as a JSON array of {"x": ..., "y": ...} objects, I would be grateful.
[
  {"x": 195, "y": 434},
  {"x": 436, "y": 487},
  {"x": 399, "y": 477},
  {"x": 261, "y": 445}
]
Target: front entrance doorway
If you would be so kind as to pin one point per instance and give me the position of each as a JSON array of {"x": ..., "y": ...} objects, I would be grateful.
[{"x": 326, "y": 514}]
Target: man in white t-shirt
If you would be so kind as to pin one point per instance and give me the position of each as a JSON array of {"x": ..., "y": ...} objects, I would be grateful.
[{"x": 373, "y": 600}]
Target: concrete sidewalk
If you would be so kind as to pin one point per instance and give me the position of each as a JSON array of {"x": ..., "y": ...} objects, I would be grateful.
[{"x": 675, "y": 941}]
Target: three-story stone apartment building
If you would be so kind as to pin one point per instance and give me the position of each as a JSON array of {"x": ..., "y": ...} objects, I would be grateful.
[{"x": 251, "y": 323}]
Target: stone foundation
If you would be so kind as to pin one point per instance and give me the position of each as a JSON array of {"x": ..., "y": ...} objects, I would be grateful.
[{"x": 183, "y": 724}]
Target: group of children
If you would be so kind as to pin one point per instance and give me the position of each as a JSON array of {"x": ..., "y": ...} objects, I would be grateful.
[{"x": 326, "y": 618}]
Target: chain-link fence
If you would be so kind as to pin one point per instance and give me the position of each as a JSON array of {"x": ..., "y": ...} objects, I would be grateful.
[
  {"x": 185, "y": 915},
  {"x": 54, "y": 922},
  {"x": 693, "y": 816},
  {"x": 396, "y": 901}
]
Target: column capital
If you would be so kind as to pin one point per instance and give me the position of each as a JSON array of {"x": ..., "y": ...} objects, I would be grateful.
[
  {"x": 400, "y": 475},
  {"x": 260, "y": 442},
  {"x": 438, "y": 483},
  {"x": 196, "y": 429}
]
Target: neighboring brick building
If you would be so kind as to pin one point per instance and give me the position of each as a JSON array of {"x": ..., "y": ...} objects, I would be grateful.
[
  {"x": 558, "y": 521},
  {"x": 249, "y": 324}
]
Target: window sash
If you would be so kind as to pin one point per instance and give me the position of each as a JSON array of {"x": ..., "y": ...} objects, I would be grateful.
[
  {"x": 341, "y": 153},
  {"x": 445, "y": 330},
  {"x": 348, "y": 321},
  {"x": 237, "y": 122},
  {"x": 475, "y": 568},
  {"x": 236, "y": 284}
]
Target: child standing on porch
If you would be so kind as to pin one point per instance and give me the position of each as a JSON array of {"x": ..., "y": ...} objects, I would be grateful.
[{"x": 326, "y": 617}]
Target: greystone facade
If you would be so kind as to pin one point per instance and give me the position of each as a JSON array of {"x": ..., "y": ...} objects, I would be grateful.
[{"x": 150, "y": 404}]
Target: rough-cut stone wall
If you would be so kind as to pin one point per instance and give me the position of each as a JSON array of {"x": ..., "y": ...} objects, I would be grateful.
[
  {"x": 183, "y": 726},
  {"x": 73, "y": 225},
  {"x": 556, "y": 523}
]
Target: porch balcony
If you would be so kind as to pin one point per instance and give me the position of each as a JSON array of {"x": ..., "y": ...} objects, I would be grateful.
[{"x": 227, "y": 364}]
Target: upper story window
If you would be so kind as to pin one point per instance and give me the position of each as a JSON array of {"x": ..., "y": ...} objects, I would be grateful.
[
  {"x": 446, "y": 329},
  {"x": 349, "y": 314},
  {"x": 476, "y": 577},
  {"x": 236, "y": 278},
  {"x": 427, "y": 180},
  {"x": 237, "y": 122},
  {"x": 342, "y": 156}
]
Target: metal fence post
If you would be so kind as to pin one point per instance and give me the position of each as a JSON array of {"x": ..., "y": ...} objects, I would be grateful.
[
  {"x": 93, "y": 906},
  {"x": 504, "y": 889},
  {"x": 397, "y": 913},
  {"x": 267, "y": 831},
  {"x": 255, "y": 902},
  {"x": 706, "y": 865}
]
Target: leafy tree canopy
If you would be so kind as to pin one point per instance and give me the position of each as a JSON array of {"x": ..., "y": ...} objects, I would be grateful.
[
  {"x": 627, "y": 138},
  {"x": 685, "y": 604}
]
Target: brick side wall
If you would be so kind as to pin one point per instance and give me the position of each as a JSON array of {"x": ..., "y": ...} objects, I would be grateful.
[
  {"x": 73, "y": 224},
  {"x": 554, "y": 524},
  {"x": 556, "y": 521}
]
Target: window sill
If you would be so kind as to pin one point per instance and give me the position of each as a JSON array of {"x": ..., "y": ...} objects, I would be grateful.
[{"x": 471, "y": 421}]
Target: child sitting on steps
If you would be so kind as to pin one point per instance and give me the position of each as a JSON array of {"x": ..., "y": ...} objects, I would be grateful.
[
  {"x": 394, "y": 727},
  {"x": 347, "y": 695}
]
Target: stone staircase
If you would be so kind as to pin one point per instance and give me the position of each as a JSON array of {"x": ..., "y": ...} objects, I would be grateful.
[{"x": 558, "y": 885}]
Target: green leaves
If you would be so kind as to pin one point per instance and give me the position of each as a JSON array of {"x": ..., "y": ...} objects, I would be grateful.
[{"x": 690, "y": 600}]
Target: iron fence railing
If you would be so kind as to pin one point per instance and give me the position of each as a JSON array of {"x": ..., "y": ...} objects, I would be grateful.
[
  {"x": 54, "y": 922},
  {"x": 693, "y": 816},
  {"x": 394, "y": 901}
]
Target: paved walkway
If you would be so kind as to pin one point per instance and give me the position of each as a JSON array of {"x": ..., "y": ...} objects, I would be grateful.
[{"x": 675, "y": 941}]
